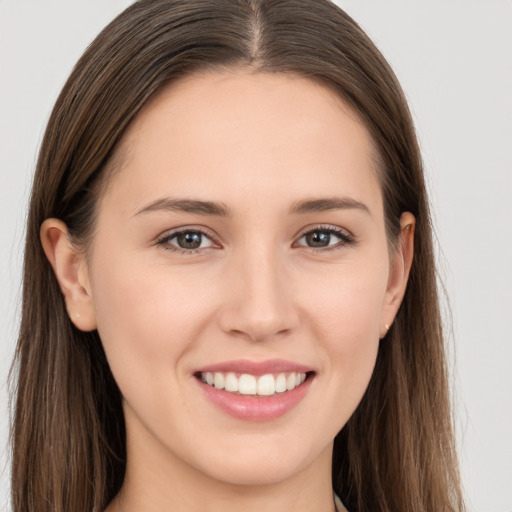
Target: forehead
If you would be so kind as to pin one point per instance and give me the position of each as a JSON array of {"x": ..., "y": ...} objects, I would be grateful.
[{"x": 245, "y": 131}]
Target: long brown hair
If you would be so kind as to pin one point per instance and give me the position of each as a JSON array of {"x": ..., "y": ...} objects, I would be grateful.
[{"x": 396, "y": 453}]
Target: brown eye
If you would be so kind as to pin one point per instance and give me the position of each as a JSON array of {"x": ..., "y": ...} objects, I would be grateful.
[
  {"x": 186, "y": 241},
  {"x": 189, "y": 240},
  {"x": 318, "y": 238},
  {"x": 326, "y": 238}
]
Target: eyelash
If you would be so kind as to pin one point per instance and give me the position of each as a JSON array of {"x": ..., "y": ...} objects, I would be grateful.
[
  {"x": 346, "y": 239},
  {"x": 165, "y": 239}
]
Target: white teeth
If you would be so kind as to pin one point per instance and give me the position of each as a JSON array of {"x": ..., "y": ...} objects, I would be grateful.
[
  {"x": 281, "y": 383},
  {"x": 218, "y": 380},
  {"x": 231, "y": 383},
  {"x": 291, "y": 381},
  {"x": 246, "y": 384},
  {"x": 266, "y": 385}
]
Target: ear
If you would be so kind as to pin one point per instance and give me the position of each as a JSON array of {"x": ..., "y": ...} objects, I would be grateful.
[
  {"x": 399, "y": 272},
  {"x": 71, "y": 271}
]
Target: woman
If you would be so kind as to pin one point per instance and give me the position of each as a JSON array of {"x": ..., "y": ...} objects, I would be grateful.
[{"x": 229, "y": 292}]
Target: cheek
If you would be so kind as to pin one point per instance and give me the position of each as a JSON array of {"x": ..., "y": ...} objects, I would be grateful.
[
  {"x": 347, "y": 302},
  {"x": 147, "y": 318},
  {"x": 346, "y": 322}
]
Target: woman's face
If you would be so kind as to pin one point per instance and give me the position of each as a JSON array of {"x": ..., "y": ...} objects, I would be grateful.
[{"x": 241, "y": 241}]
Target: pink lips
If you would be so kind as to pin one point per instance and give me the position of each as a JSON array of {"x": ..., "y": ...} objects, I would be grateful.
[
  {"x": 256, "y": 367},
  {"x": 251, "y": 407}
]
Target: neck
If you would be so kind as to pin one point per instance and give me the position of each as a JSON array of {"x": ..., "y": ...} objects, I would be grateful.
[
  {"x": 222, "y": 498},
  {"x": 157, "y": 480}
]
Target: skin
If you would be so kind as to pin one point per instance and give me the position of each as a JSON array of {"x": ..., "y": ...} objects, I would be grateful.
[{"x": 258, "y": 144}]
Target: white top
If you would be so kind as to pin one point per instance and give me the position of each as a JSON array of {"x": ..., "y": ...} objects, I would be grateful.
[{"x": 339, "y": 505}]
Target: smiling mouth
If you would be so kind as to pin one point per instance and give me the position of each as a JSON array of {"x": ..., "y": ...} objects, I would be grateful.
[
  {"x": 255, "y": 390},
  {"x": 246, "y": 384}
]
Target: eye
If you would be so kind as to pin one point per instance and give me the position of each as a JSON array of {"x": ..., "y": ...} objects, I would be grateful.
[
  {"x": 189, "y": 240},
  {"x": 325, "y": 238}
]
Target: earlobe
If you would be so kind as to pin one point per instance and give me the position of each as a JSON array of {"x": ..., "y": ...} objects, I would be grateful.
[
  {"x": 399, "y": 273},
  {"x": 70, "y": 268}
]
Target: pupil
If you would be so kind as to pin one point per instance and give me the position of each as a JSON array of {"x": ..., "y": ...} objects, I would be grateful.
[
  {"x": 318, "y": 239},
  {"x": 189, "y": 240}
]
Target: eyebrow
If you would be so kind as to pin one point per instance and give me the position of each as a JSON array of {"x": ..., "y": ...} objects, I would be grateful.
[
  {"x": 222, "y": 210},
  {"x": 187, "y": 206},
  {"x": 326, "y": 204}
]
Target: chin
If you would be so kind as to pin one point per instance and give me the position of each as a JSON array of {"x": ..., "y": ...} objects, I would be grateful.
[
  {"x": 245, "y": 474},
  {"x": 261, "y": 466}
]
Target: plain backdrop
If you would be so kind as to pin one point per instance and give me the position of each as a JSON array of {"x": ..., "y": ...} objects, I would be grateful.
[{"x": 454, "y": 60}]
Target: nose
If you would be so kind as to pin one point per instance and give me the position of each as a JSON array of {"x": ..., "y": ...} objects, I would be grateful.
[{"x": 259, "y": 298}]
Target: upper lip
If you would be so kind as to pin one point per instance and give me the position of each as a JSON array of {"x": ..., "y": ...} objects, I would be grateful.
[{"x": 256, "y": 367}]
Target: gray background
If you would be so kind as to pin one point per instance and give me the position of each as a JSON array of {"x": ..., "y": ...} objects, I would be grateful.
[{"x": 454, "y": 59}]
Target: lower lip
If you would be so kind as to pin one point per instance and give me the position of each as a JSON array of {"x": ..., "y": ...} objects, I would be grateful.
[{"x": 253, "y": 407}]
